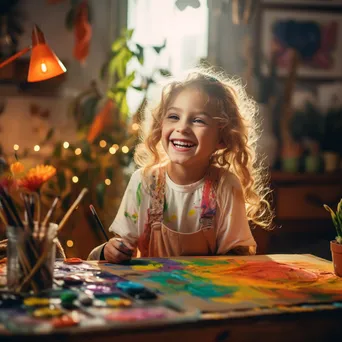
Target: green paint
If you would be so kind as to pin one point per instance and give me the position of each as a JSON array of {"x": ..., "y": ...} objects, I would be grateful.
[
  {"x": 138, "y": 194},
  {"x": 165, "y": 205},
  {"x": 183, "y": 281},
  {"x": 133, "y": 217}
]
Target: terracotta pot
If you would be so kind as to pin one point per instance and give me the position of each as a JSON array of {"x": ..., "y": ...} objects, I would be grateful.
[{"x": 336, "y": 252}]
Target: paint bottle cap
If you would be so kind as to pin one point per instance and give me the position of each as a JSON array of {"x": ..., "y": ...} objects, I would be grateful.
[
  {"x": 118, "y": 302},
  {"x": 47, "y": 312},
  {"x": 73, "y": 261},
  {"x": 36, "y": 301}
]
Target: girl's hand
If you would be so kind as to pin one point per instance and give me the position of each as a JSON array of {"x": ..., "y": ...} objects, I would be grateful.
[{"x": 116, "y": 250}]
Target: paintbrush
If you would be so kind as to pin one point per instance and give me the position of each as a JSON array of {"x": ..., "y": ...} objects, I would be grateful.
[
  {"x": 50, "y": 212},
  {"x": 98, "y": 221},
  {"x": 72, "y": 208}
]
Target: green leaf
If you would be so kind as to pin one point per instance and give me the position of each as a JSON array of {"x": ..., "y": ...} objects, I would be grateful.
[
  {"x": 61, "y": 180},
  {"x": 137, "y": 88},
  {"x": 48, "y": 136},
  {"x": 129, "y": 33},
  {"x": 118, "y": 44},
  {"x": 86, "y": 151},
  {"x": 140, "y": 54},
  {"x": 100, "y": 193},
  {"x": 159, "y": 48},
  {"x": 109, "y": 173},
  {"x": 165, "y": 72},
  {"x": 70, "y": 19},
  {"x": 58, "y": 150}
]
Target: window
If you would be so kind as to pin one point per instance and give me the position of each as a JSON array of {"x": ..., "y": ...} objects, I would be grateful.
[{"x": 185, "y": 32}]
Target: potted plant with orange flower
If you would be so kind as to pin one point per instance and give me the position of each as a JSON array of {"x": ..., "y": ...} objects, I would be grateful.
[{"x": 336, "y": 245}]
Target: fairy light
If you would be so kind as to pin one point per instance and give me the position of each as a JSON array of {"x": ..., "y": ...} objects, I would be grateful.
[
  {"x": 125, "y": 149},
  {"x": 135, "y": 127},
  {"x": 116, "y": 146},
  {"x": 75, "y": 179},
  {"x": 16, "y": 147},
  {"x": 36, "y": 148},
  {"x": 70, "y": 243},
  {"x": 112, "y": 150},
  {"x": 103, "y": 143},
  {"x": 78, "y": 151},
  {"x": 66, "y": 144},
  {"x": 108, "y": 181}
]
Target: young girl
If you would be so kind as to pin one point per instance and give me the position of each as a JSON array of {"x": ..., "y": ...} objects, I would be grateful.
[{"x": 198, "y": 185}]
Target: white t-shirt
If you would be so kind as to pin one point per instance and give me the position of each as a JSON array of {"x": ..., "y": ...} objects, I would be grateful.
[{"x": 182, "y": 212}]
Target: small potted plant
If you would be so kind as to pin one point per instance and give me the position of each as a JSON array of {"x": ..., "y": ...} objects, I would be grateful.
[{"x": 336, "y": 245}]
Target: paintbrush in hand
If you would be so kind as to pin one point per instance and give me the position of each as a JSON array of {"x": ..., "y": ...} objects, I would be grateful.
[{"x": 98, "y": 221}]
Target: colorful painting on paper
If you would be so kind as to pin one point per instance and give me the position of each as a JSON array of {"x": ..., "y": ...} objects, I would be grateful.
[{"x": 225, "y": 282}]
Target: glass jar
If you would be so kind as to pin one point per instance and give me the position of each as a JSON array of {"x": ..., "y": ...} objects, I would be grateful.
[{"x": 30, "y": 258}]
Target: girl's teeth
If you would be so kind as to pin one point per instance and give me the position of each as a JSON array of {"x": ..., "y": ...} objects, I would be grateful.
[{"x": 182, "y": 144}]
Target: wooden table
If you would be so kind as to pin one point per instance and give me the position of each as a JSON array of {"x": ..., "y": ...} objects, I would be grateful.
[{"x": 317, "y": 321}]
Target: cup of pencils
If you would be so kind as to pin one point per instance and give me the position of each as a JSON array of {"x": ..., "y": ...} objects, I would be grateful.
[{"x": 30, "y": 258}]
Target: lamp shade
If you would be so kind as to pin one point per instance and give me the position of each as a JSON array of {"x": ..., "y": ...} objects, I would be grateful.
[{"x": 44, "y": 64}]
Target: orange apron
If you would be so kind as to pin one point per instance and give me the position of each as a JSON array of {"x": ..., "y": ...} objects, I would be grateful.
[{"x": 158, "y": 240}]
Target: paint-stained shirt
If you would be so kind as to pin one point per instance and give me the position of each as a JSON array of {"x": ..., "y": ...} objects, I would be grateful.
[{"x": 182, "y": 212}]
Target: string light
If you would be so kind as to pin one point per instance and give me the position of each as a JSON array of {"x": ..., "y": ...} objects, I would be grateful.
[
  {"x": 36, "y": 148},
  {"x": 135, "y": 127},
  {"x": 78, "y": 151},
  {"x": 112, "y": 150},
  {"x": 16, "y": 147},
  {"x": 108, "y": 181},
  {"x": 103, "y": 143},
  {"x": 70, "y": 243},
  {"x": 66, "y": 144},
  {"x": 116, "y": 146},
  {"x": 125, "y": 149},
  {"x": 75, "y": 179}
]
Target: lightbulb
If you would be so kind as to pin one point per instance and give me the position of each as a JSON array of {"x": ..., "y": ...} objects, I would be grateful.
[
  {"x": 124, "y": 149},
  {"x": 66, "y": 144},
  {"x": 108, "y": 181},
  {"x": 36, "y": 148},
  {"x": 112, "y": 150},
  {"x": 43, "y": 67},
  {"x": 75, "y": 179},
  {"x": 116, "y": 146},
  {"x": 16, "y": 147}
]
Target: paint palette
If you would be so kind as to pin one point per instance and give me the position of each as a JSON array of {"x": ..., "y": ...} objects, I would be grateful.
[{"x": 83, "y": 295}]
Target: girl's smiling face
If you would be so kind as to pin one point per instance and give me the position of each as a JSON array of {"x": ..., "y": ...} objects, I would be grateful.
[{"x": 190, "y": 135}]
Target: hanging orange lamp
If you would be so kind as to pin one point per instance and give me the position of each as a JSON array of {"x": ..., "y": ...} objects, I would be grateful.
[{"x": 44, "y": 64}]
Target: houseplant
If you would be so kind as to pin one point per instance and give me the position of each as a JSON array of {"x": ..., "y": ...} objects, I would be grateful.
[{"x": 336, "y": 245}]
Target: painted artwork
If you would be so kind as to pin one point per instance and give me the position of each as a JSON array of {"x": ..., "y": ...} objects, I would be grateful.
[
  {"x": 316, "y": 36},
  {"x": 227, "y": 283}
]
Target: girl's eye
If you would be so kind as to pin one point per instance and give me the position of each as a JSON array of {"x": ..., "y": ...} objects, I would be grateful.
[
  {"x": 172, "y": 117},
  {"x": 197, "y": 120}
]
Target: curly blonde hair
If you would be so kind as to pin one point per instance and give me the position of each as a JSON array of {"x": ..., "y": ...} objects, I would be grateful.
[{"x": 236, "y": 113}]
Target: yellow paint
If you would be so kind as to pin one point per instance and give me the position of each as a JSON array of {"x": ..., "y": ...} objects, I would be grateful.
[
  {"x": 150, "y": 267},
  {"x": 192, "y": 212},
  {"x": 173, "y": 218}
]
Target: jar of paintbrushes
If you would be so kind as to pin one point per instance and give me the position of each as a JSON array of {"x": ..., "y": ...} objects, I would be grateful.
[
  {"x": 30, "y": 257},
  {"x": 31, "y": 248}
]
